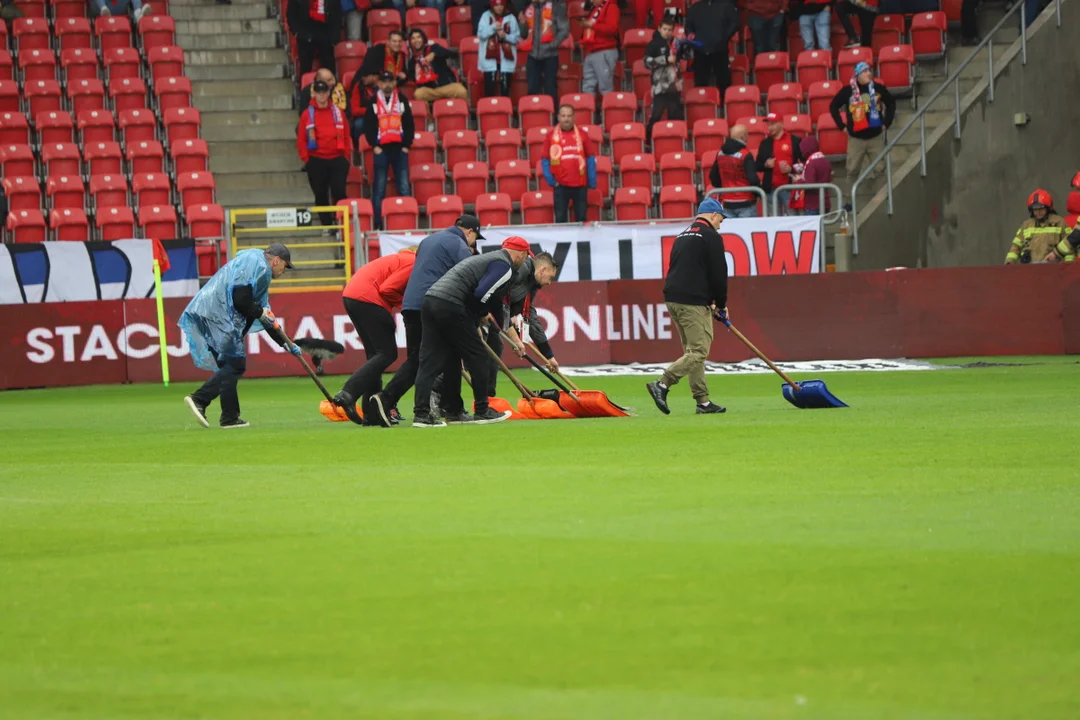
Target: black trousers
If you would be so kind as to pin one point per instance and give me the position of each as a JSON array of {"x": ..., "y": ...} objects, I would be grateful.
[
  {"x": 375, "y": 325},
  {"x": 543, "y": 76},
  {"x": 223, "y": 384},
  {"x": 844, "y": 10},
  {"x": 406, "y": 374},
  {"x": 969, "y": 27},
  {"x": 496, "y": 344},
  {"x": 670, "y": 103},
  {"x": 496, "y": 84},
  {"x": 713, "y": 70},
  {"x": 450, "y": 338},
  {"x": 308, "y": 49},
  {"x": 566, "y": 195},
  {"x": 327, "y": 179}
]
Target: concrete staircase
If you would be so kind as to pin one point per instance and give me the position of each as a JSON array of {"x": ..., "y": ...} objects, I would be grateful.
[{"x": 238, "y": 65}]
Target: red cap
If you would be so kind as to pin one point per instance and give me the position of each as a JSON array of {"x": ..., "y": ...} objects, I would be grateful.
[
  {"x": 517, "y": 243},
  {"x": 773, "y": 117}
]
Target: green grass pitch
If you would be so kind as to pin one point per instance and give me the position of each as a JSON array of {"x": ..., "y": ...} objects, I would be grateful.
[{"x": 914, "y": 556}]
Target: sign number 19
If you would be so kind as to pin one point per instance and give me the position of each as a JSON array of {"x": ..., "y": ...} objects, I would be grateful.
[{"x": 303, "y": 218}]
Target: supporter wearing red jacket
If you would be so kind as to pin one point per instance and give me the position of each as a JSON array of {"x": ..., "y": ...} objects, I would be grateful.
[
  {"x": 369, "y": 298},
  {"x": 600, "y": 44},
  {"x": 325, "y": 146}
]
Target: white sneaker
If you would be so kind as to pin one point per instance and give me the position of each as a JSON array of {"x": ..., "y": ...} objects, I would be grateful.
[
  {"x": 144, "y": 10},
  {"x": 197, "y": 411},
  {"x": 105, "y": 12}
]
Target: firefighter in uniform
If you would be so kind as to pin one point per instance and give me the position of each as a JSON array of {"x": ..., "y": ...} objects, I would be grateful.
[{"x": 1040, "y": 234}]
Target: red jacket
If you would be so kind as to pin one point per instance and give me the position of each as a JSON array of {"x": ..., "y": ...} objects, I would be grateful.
[
  {"x": 382, "y": 281},
  {"x": 332, "y": 139},
  {"x": 604, "y": 34}
]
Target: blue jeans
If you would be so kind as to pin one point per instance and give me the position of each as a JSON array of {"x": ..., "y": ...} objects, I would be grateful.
[
  {"x": 818, "y": 24},
  {"x": 782, "y": 204},
  {"x": 396, "y": 158},
  {"x": 750, "y": 211},
  {"x": 357, "y": 130},
  {"x": 766, "y": 32}
]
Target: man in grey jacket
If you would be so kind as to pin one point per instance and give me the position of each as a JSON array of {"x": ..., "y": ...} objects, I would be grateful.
[
  {"x": 435, "y": 256},
  {"x": 544, "y": 26}
]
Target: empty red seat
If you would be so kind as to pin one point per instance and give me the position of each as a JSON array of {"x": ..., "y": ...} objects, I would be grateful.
[
  {"x": 7, "y": 65},
  {"x": 151, "y": 188},
  {"x": 115, "y": 223},
  {"x": 741, "y": 101},
  {"x": 172, "y": 92},
  {"x": 584, "y": 107},
  {"x": 784, "y": 98},
  {"x": 380, "y": 22},
  {"x": 535, "y": 139},
  {"x": 458, "y": 23},
  {"x": 73, "y": 32},
  {"x": 9, "y": 96},
  {"x": 158, "y": 222},
  {"x": 137, "y": 125},
  {"x": 678, "y": 201},
  {"x": 147, "y": 156},
  {"x": 364, "y": 211},
  {"x": 14, "y": 129},
  {"x": 896, "y": 68},
  {"x": 502, "y": 144},
  {"x": 849, "y": 58},
  {"x": 450, "y": 115},
  {"x": 79, "y": 64},
  {"x": 771, "y": 68},
  {"x": 190, "y": 156},
  {"x": 182, "y": 123},
  {"x": 428, "y": 180},
  {"x": 638, "y": 170},
  {"x": 205, "y": 220},
  {"x": 30, "y": 33},
  {"x": 668, "y": 136},
  {"x": 103, "y": 158},
  {"x": 121, "y": 62},
  {"x": 538, "y": 208},
  {"x": 460, "y": 146},
  {"x": 26, "y": 226},
  {"x": 23, "y": 193},
  {"x": 627, "y": 139},
  {"x": 400, "y": 213},
  {"x": 469, "y": 51},
  {"x": 677, "y": 168},
  {"x": 165, "y": 61},
  {"x": 813, "y": 66},
  {"x": 702, "y": 103},
  {"x": 617, "y": 108},
  {"x": 65, "y": 191},
  {"x": 157, "y": 30},
  {"x": 740, "y": 69},
  {"x": 69, "y": 223},
  {"x": 43, "y": 96},
  {"x": 641, "y": 78},
  {"x": 798, "y": 124},
  {"x": 61, "y": 159},
  {"x": 69, "y": 8},
  {"x": 470, "y": 180},
  {"x": 888, "y": 31},
  {"x": 423, "y": 18},
  {"x": 756, "y": 130},
  {"x": 635, "y": 40},
  {"x": 444, "y": 210},
  {"x": 494, "y": 208},
  {"x": 536, "y": 111},
  {"x": 86, "y": 94},
  {"x": 108, "y": 191},
  {"x": 632, "y": 203},
  {"x": 349, "y": 56},
  {"x": 17, "y": 161},
  {"x": 820, "y": 95},
  {"x": 605, "y": 170},
  {"x": 928, "y": 34},
  {"x": 113, "y": 32},
  {"x": 37, "y": 65},
  {"x": 512, "y": 177},
  {"x": 493, "y": 113},
  {"x": 832, "y": 140},
  {"x": 127, "y": 93},
  {"x": 423, "y": 148}
]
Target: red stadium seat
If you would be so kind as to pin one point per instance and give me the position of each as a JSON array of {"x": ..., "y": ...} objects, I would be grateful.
[
  {"x": 115, "y": 223},
  {"x": 502, "y": 144},
  {"x": 595, "y": 133},
  {"x": 493, "y": 113},
  {"x": 113, "y": 32},
  {"x": 678, "y": 201},
  {"x": 569, "y": 79},
  {"x": 458, "y": 23},
  {"x": 468, "y": 52},
  {"x": 79, "y": 64},
  {"x": 512, "y": 177},
  {"x": 460, "y": 146},
  {"x": 627, "y": 139},
  {"x": 147, "y": 156},
  {"x": 813, "y": 66},
  {"x": 677, "y": 168},
  {"x": 364, "y": 211},
  {"x": 190, "y": 156},
  {"x": 138, "y": 125},
  {"x": 833, "y": 140},
  {"x": 535, "y": 138},
  {"x": 172, "y": 92},
  {"x": 756, "y": 130},
  {"x": 109, "y": 191},
  {"x": 86, "y": 95},
  {"x": 152, "y": 188},
  {"x": 26, "y": 226},
  {"x": 195, "y": 188},
  {"x": 400, "y": 213},
  {"x": 65, "y": 191},
  {"x": 605, "y": 170},
  {"x": 632, "y": 203},
  {"x": 7, "y": 65},
  {"x": 896, "y": 67},
  {"x": 14, "y": 129},
  {"x": 73, "y": 32},
  {"x": 771, "y": 68},
  {"x": 30, "y": 33},
  {"x": 43, "y": 96},
  {"x": 158, "y": 222},
  {"x": 494, "y": 208},
  {"x": 888, "y": 31},
  {"x": 634, "y": 43},
  {"x": 740, "y": 70},
  {"x": 819, "y": 97},
  {"x": 642, "y": 79},
  {"x": 617, "y": 108},
  {"x": 121, "y": 62},
  {"x": 470, "y": 180},
  {"x": 156, "y": 31},
  {"x": 849, "y": 58},
  {"x": 422, "y": 18},
  {"x": 37, "y": 65},
  {"x": 61, "y": 159},
  {"x": 69, "y": 8},
  {"x": 536, "y": 111},
  {"x": 69, "y": 224},
  {"x": 798, "y": 124},
  {"x": 638, "y": 171},
  {"x": 182, "y": 124},
  {"x": 538, "y": 208},
  {"x": 428, "y": 180},
  {"x": 104, "y": 158},
  {"x": 205, "y": 220},
  {"x": 127, "y": 93},
  {"x": 741, "y": 101},
  {"x": 669, "y": 136},
  {"x": 928, "y": 34},
  {"x": 422, "y": 150},
  {"x": 420, "y": 113},
  {"x": 444, "y": 210},
  {"x": 450, "y": 115},
  {"x": 165, "y": 61},
  {"x": 785, "y": 98},
  {"x": 349, "y": 56},
  {"x": 380, "y": 22},
  {"x": 584, "y": 107},
  {"x": 23, "y": 193},
  {"x": 702, "y": 103},
  {"x": 9, "y": 96},
  {"x": 33, "y": 8},
  {"x": 17, "y": 161}
]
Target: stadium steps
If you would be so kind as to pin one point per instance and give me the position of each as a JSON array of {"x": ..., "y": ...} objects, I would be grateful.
[{"x": 239, "y": 71}]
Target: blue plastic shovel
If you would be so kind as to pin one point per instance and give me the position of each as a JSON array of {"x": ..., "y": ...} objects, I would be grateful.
[{"x": 809, "y": 395}]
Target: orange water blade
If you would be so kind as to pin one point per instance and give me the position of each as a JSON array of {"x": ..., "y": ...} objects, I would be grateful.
[
  {"x": 591, "y": 403},
  {"x": 333, "y": 413},
  {"x": 540, "y": 409}
]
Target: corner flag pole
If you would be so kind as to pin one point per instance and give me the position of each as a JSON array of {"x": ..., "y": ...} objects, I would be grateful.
[{"x": 161, "y": 325}]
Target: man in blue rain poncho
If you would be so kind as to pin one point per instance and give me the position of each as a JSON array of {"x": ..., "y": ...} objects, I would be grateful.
[{"x": 216, "y": 320}]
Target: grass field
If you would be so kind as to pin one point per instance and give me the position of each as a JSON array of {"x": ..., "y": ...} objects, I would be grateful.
[{"x": 915, "y": 556}]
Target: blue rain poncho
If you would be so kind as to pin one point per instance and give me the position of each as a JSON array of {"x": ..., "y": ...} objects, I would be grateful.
[{"x": 211, "y": 321}]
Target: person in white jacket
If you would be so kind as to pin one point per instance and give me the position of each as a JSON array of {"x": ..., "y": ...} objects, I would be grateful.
[{"x": 499, "y": 35}]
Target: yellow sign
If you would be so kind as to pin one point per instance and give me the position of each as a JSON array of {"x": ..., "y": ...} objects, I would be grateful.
[{"x": 321, "y": 254}]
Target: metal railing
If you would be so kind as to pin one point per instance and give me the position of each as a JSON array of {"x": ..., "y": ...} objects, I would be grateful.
[
  {"x": 747, "y": 188},
  {"x": 952, "y": 82},
  {"x": 823, "y": 217}
]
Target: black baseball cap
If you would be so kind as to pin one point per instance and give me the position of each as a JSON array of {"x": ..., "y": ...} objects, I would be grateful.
[
  {"x": 320, "y": 86},
  {"x": 470, "y": 222},
  {"x": 387, "y": 75},
  {"x": 279, "y": 250}
]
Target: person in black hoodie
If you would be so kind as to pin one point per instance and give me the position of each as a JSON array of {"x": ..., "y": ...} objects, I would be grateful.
[
  {"x": 661, "y": 58},
  {"x": 316, "y": 25},
  {"x": 428, "y": 68},
  {"x": 870, "y": 110},
  {"x": 695, "y": 289},
  {"x": 710, "y": 25},
  {"x": 734, "y": 167}
]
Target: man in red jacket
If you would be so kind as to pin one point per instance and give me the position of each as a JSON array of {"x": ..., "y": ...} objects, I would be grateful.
[
  {"x": 600, "y": 44},
  {"x": 369, "y": 298},
  {"x": 325, "y": 146},
  {"x": 569, "y": 166}
]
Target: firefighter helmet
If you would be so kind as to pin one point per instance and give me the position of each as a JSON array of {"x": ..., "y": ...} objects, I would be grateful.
[{"x": 1040, "y": 199}]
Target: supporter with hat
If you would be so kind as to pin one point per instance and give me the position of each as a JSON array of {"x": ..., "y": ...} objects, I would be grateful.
[
  {"x": 388, "y": 126},
  {"x": 870, "y": 109},
  {"x": 325, "y": 146},
  {"x": 777, "y": 156}
]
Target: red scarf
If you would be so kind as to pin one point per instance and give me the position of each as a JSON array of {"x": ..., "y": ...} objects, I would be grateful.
[
  {"x": 567, "y": 145},
  {"x": 492, "y": 51},
  {"x": 394, "y": 63},
  {"x": 317, "y": 10},
  {"x": 424, "y": 72},
  {"x": 389, "y": 118},
  {"x": 339, "y": 126}
]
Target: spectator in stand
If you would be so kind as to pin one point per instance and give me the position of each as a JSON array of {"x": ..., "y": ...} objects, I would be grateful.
[
  {"x": 9, "y": 13},
  {"x": 815, "y": 19},
  {"x": 325, "y": 146},
  {"x": 710, "y": 25},
  {"x": 734, "y": 167},
  {"x": 544, "y": 26},
  {"x": 389, "y": 130},
  {"x": 778, "y": 154},
  {"x": 870, "y": 109},
  {"x": 765, "y": 18},
  {"x": 316, "y": 25},
  {"x": 600, "y": 46},
  {"x": 969, "y": 25},
  {"x": 866, "y": 10},
  {"x": 816, "y": 169},
  {"x": 569, "y": 165},
  {"x": 1040, "y": 234},
  {"x": 499, "y": 37},
  {"x": 428, "y": 67},
  {"x": 390, "y": 57},
  {"x": 354, "y": 20},
  {"x": 662, "y": 59},
  {"x": 337, "y": 94},
  {"x": 107, "y": 8}
]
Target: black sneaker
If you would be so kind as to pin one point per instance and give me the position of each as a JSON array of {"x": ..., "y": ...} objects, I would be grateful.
[
  {"x": 237, "y": 423},
  {"x": 710, "y": 408},
  {"x": 490, "y": 417},
  {"x": 197, "y": 410},
  {"x": 426, "y": 421},
  {"x": 382, "y": 410},
  {"x": 659, "y": 396},
  {"x": 347, "y": 402},
  {"x": 458, "y": 418},
  {"x": 395, "y": 417}
]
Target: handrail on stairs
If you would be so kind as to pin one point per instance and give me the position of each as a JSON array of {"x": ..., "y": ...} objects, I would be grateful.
[{"x": 953, "y": 81}]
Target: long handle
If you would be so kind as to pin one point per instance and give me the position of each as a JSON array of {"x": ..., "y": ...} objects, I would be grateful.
[
  {"x": 568, "y": 381},
  {"x": 757, "y": 352},
  {"x": 543, "y": 370},
  {"x": 525, "y": 392},
  {"x": 289, "y": 345}
]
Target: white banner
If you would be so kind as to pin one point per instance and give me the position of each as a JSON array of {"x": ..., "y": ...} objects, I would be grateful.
[{"x": 757, "y": 246}]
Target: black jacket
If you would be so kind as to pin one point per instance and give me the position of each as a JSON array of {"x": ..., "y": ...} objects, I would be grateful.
[
  {"x": 712, "y": 23},
  {"x": 303, "y": 27},
  {"x": 525, "y": 286},
  {"x": 730, "y": 147},
  {"x": 443, "y": 71},
  {"x": 886, "y": 105},
  {"x": 697, "y": 272},
  {"x": 371, "y": 123},
  {"x": 765, "y": 152},
  {"x": 375, "y": 61}
]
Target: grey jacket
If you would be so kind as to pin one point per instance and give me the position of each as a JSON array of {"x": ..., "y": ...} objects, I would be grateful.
[
  {"x": 478, "y": 284},
  {"x": 525, "y": 286},
  {"x": 437, "y": 253},
  {"x": 561, "y": 21}
]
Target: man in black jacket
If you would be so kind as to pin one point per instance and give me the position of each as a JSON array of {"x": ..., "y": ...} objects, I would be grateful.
[
  {"x": 389, "y": 128},
  {"x": 710, "y": 25},
  {"x": 316, "y": 25},
  {"x": 695, "y": 288},
  {"x": 870, "y": 109},
  {"x": 428, "y": 68}
]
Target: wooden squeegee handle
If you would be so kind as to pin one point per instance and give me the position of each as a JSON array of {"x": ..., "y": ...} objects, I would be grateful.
[{"x": 761, "y": 356}]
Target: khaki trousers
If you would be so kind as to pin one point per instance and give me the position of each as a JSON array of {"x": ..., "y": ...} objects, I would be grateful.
[
  {"x": 695, "y": 326},
  {"x": 453, "y": 91},
  {"x": 860, "y": 153}
]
